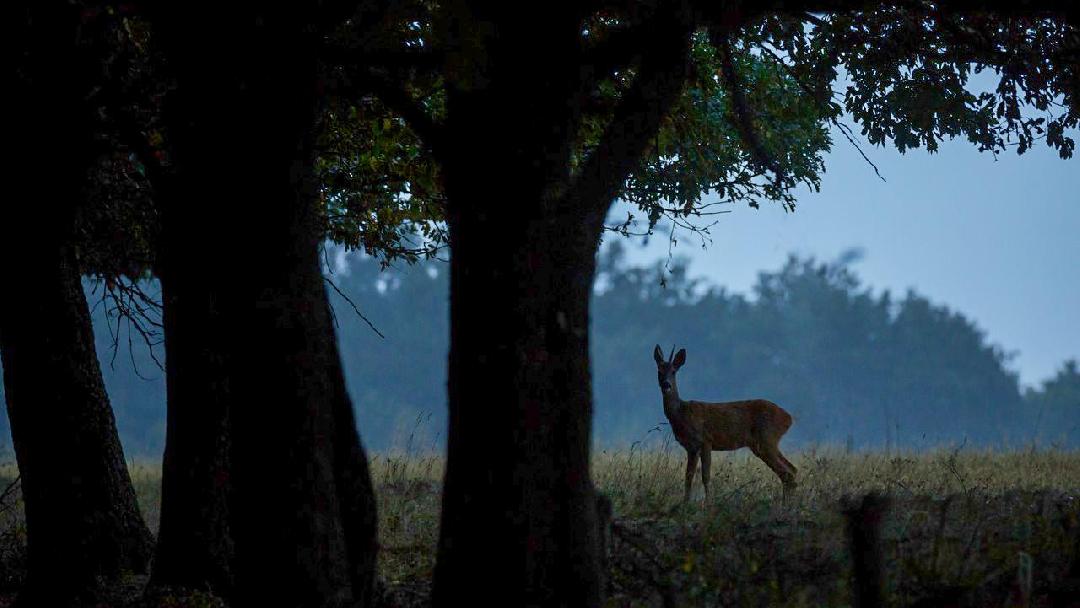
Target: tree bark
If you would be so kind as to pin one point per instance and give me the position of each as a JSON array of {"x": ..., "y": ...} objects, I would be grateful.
[
  {"x": 83, "y": 520},
  {"x": 524, "y": 224},
  {"x": 518, "y": 525},
  {"x": 82, "y": 517},
  {"x": 249, "y": 331},
  {"x": 194, "y": 548},
  {"x": 519, "y": 512},
  {"x": 304, "y": 507}
]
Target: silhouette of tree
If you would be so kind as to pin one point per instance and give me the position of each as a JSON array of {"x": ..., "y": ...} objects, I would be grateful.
[{"x": 83, "y": 522}]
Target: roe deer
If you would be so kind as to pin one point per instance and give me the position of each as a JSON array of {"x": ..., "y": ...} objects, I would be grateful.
[{"x": 702, "y": 427}]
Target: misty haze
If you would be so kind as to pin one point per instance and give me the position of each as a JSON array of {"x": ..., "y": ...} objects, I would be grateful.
[{"x": 859, "y": 368}]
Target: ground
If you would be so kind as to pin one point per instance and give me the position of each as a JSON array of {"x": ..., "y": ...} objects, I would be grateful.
[{"x": 962, "y": 528}]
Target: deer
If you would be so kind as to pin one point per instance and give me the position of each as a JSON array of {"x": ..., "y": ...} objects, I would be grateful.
[{"x": 703, "y": 427}]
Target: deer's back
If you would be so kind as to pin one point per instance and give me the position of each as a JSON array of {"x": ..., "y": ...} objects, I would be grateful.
[{"x": 731, "y": 425}]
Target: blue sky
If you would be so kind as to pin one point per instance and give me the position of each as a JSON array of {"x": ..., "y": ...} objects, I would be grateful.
[{"x": 998, "y": 240}]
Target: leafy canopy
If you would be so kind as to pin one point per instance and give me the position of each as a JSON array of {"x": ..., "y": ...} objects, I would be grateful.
[
  {"x": 764, "y": 94},
  {"x": 752, "y": 123}
]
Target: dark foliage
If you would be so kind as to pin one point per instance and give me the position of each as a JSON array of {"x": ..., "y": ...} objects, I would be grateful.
[{"x": 1056, "y": 406}]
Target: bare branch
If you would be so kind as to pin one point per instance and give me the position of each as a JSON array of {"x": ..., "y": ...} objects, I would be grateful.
[
  {"x": 126, "y": 300},
  {"x": 851, "y": 139},
  {"x": 844, "y": 129},
  {"x": 355, "y": 308},
  {"x": 131, "y": 354}
]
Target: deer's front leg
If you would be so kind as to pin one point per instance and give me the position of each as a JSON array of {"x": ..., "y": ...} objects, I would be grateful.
[
  {"x": 706, "y": 463},
  {"x": 691, "y": 468}
]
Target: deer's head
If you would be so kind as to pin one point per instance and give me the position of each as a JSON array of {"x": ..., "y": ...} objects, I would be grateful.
[{"x": 666, "y": 369}]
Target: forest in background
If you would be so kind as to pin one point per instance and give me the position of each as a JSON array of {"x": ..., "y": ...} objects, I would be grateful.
[{"x": 856, "y": 368}]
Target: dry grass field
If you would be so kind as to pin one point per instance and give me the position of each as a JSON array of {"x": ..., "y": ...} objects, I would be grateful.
[{"x": 963, "y": 527}]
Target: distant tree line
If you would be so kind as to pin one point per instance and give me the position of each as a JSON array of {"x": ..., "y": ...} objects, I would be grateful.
[
  {"x": 857, "y": 369},
  {"x": 854, "y": 367},
  {"x": 1056, "y": 406}
]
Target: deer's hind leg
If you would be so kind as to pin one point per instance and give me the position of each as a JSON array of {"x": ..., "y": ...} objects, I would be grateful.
[
  {"x": 706, "y": 465},
  {"x": 771, "y": 456},
  {"x": 691, "y": 468},
  {"x": 788, "y": 464}
]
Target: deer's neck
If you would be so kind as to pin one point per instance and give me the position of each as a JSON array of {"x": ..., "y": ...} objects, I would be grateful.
[{"x": 672, "y": 402}]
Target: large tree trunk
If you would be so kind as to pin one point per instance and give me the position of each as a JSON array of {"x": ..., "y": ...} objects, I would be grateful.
[
  {"x": 265, "y": 477},
  {"x": 518, "y": 524},
  {"x": 83, "y": 521},
  {"x": 518, "y": 521},
  {"x": 81, "y": 514},
  {"x": 257, "y": 403},
  {"x": 303, "y": 506}
]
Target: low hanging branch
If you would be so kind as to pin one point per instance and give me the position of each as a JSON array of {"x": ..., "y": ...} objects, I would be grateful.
[
  {"x": 744, "y": 121},
  {"x": 125, "y": 300}
]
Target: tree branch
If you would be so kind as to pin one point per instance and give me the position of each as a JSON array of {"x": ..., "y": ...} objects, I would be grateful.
[
  {"x": 355, "y": 308},
  {"x": 399, "y": 101},
  {"x": 744, "y": 121},
  {"x": 662, "y": 73},
  {"x": 142, "y": 314}
]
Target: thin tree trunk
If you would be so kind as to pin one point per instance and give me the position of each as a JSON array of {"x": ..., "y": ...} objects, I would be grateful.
[{"x": 82, "y": 517}]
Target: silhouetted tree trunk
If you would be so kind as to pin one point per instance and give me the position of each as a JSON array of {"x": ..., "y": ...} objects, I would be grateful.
[
  {"x": 194, "y": 547},
  {"x": 259, "y": 407},
  {"x": 519, "y": 518},
  {"x": 519, "y": 521},
  {"x": 82, "y": 517},
  {"x": 81, "y": 514},
  {"x": 303, "y": 505}
]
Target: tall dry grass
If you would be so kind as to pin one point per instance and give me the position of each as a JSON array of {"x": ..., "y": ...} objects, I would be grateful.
[{"x": 993, "y": 528}]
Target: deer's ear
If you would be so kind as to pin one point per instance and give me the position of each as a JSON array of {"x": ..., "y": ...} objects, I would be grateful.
[
  {"x": 680, "y": 358},
  {"x": 658, "y": 355}
]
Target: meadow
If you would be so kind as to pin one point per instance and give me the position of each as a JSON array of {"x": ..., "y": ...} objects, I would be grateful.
[{"x": 962, "y": 527}]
